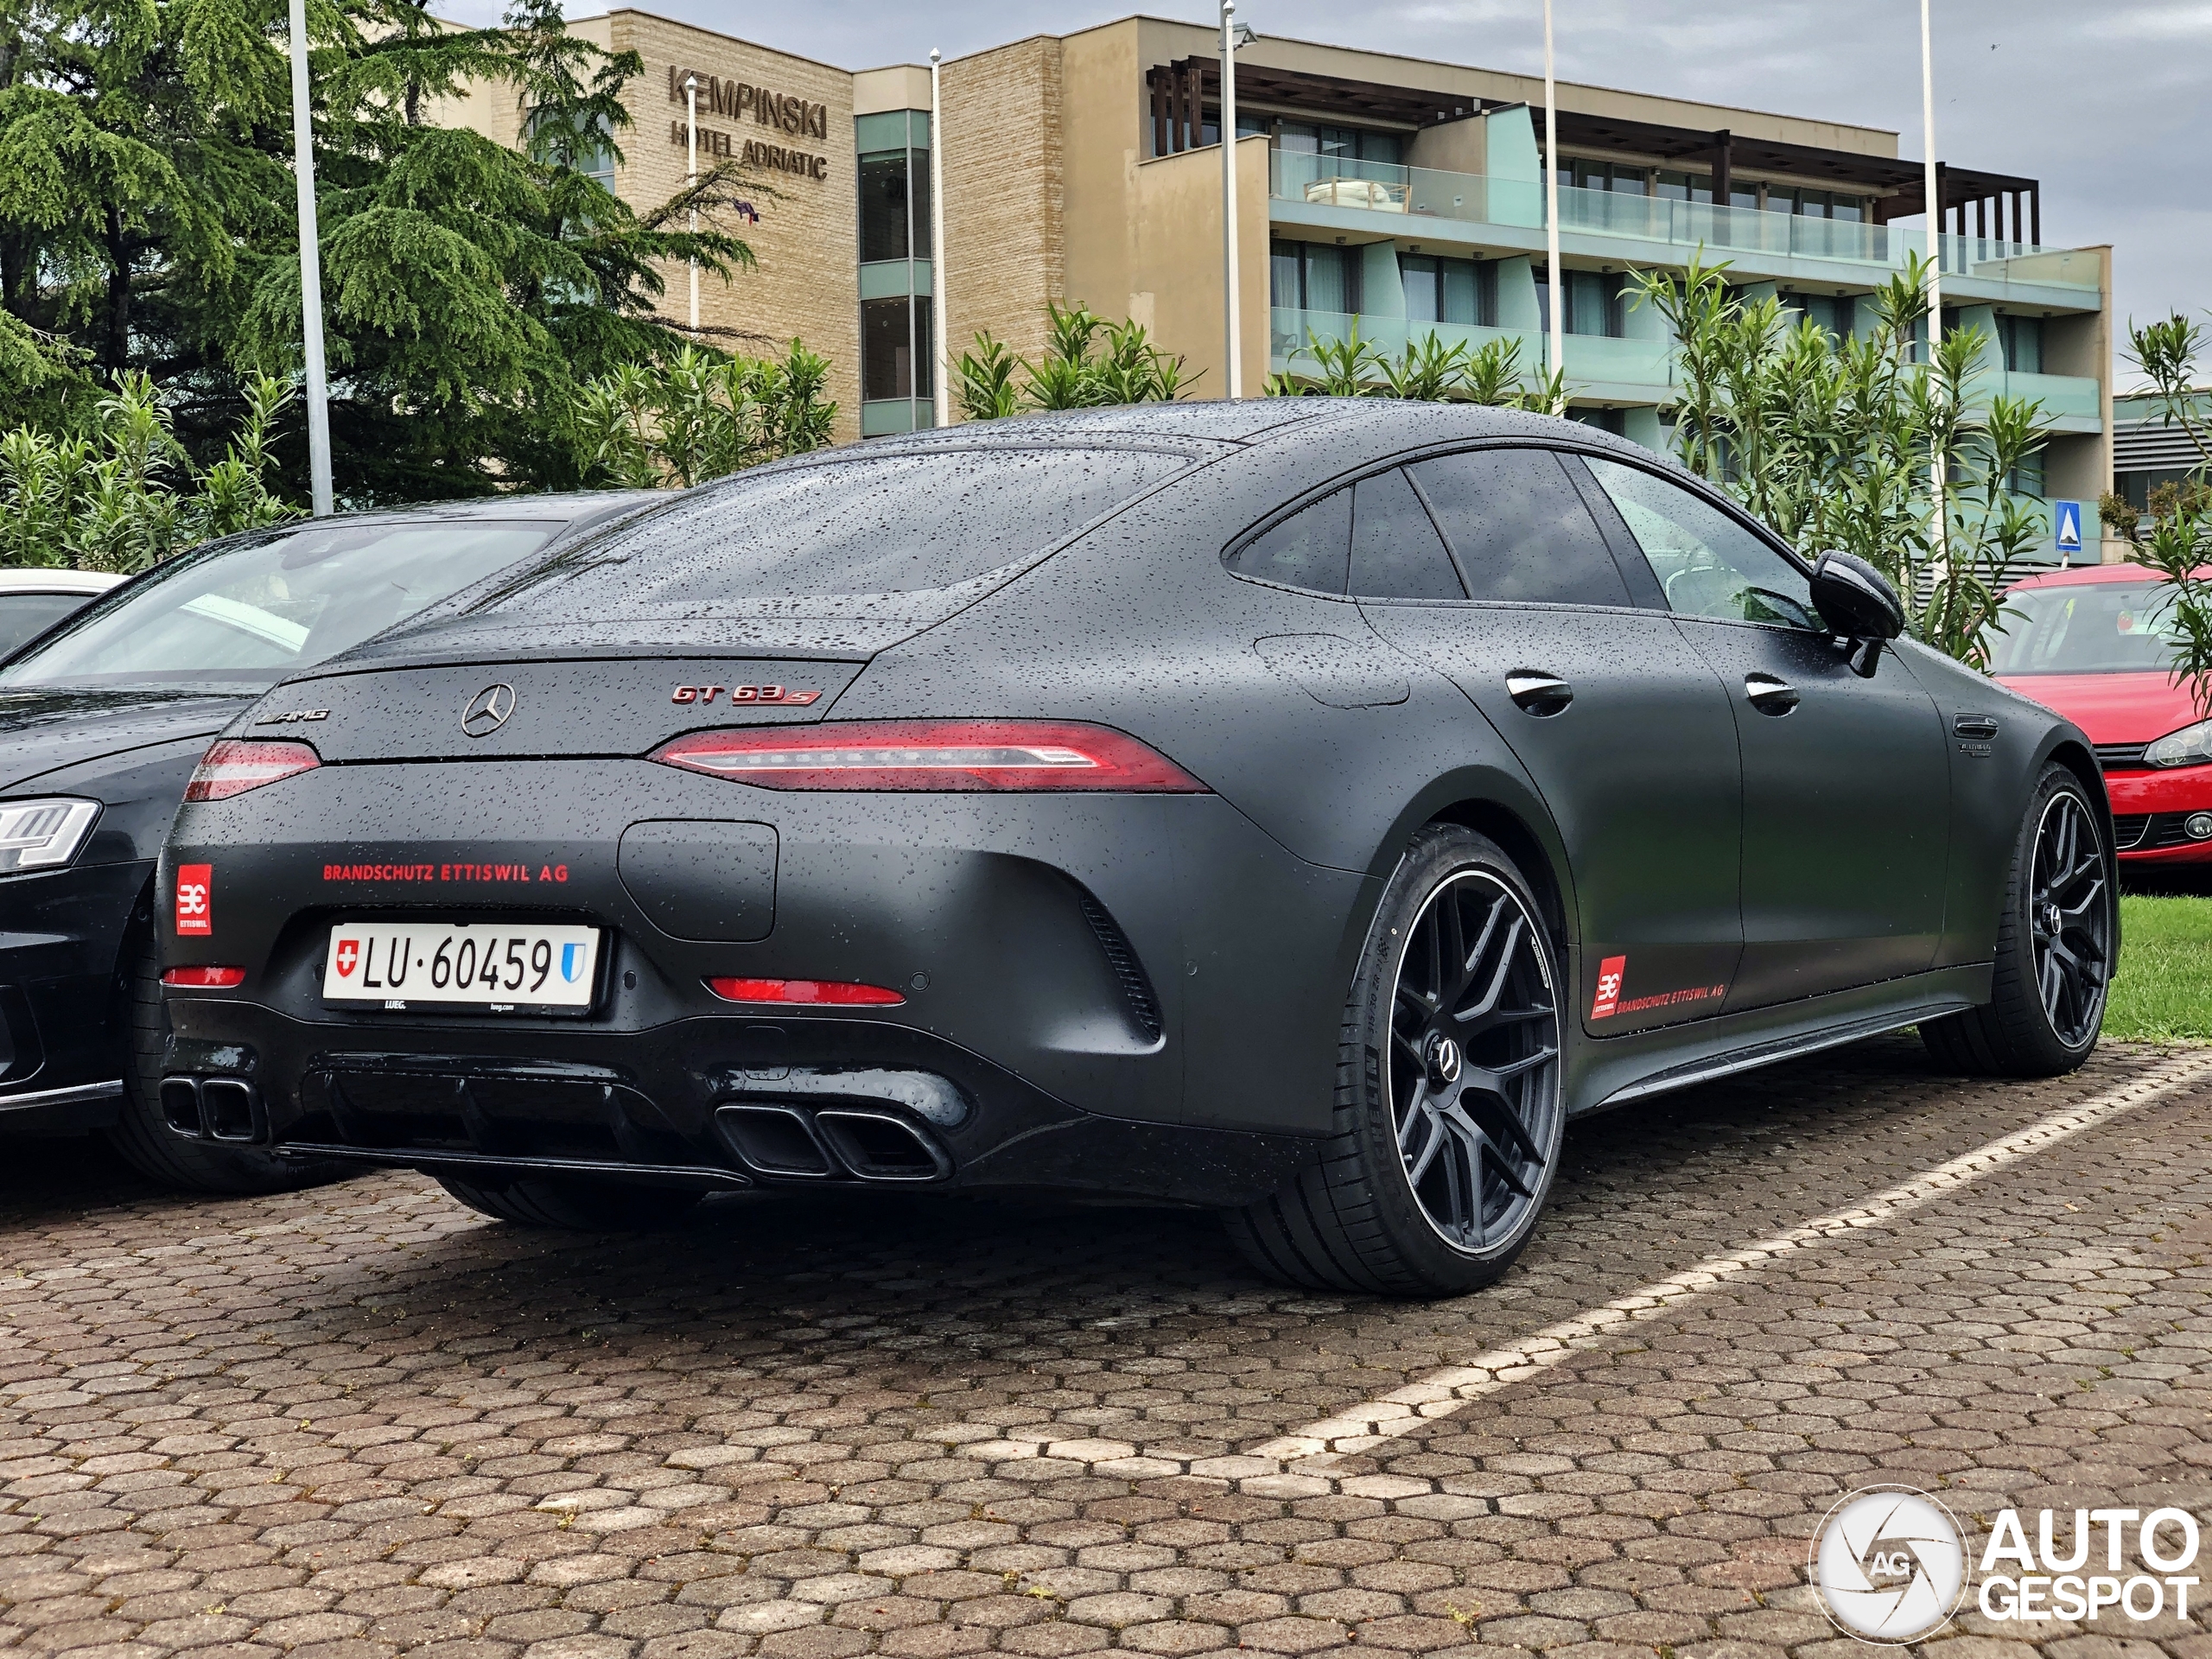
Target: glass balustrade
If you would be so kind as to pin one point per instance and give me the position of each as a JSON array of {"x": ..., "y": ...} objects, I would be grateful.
[{"x": 1473, "y": 198}]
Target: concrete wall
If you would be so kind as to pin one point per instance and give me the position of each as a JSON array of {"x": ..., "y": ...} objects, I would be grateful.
[
  {"x": 1460, "y": 146},
  {"x": 1180, "y": 260},
  {"x": 2080, "y": 468}
]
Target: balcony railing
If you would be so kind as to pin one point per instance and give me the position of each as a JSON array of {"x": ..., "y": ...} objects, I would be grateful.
[
  {"x": 1474, "y": 198},
  {"x": 1636, "y": 368},
  {"x": 1288, "y": 330}
]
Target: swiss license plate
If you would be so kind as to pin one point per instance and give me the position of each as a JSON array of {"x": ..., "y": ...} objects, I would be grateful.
[{"x": 493, "y": 967}]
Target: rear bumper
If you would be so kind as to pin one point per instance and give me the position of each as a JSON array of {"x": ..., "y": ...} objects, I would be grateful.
[
  {"x": 710, "y": 1102},
  {"x": 61, "y": 939},
  {"x": 2151, "y": 813}
]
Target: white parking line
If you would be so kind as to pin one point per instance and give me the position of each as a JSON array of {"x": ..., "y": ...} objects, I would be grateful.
[{"x": 1378, "y": 1421}]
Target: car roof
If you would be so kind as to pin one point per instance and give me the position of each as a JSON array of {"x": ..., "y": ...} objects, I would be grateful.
[
  {"x": 2078, "y": 576},
  {"x": 567, "y": 505},
  {"x": 56, "y": 579}
]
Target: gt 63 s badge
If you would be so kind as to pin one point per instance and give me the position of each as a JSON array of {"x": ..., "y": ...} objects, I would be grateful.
[{"x": 744, "y": 693}]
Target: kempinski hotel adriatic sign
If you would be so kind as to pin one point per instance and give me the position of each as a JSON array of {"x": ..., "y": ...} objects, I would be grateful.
[{"x": 802, "y": 117}]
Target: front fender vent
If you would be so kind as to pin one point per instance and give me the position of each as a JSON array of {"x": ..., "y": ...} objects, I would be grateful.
[{"x": 1122, "y": 957}]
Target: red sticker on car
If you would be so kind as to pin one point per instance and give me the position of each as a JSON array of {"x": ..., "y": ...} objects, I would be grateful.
[
  {"x": 195, "y": 899},
  {"x": 1610, "y": 972}
]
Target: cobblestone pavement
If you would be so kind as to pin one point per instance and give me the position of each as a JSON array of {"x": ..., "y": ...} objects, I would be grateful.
[{"x": 362, "y": 1420}]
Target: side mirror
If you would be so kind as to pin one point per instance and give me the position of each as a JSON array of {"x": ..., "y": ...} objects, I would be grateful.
[{"x": 1856, "y": 600}]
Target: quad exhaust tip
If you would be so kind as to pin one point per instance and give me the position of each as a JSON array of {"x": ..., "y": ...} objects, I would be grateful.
[
  {"x": 789, "y": 1143},
  {"x": 213, "y": 1108}
]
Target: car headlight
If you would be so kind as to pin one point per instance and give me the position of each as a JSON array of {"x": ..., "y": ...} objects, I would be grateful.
[
  {"x": 39, "y": 835},
  {"x": 2190, "y": 747}
]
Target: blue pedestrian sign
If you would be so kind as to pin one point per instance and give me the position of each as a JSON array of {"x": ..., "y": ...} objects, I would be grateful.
[{"x": 2066, "y": 521}]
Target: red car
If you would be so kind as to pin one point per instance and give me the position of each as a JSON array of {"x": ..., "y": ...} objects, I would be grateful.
[{"x": 2094, "y": 644}]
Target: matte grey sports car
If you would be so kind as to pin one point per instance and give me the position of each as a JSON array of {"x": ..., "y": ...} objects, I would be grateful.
[{"x": 1297, "y": 807}]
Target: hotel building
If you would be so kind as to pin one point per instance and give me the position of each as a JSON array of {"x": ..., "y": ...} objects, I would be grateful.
[{"x": 1399, "y": 196}]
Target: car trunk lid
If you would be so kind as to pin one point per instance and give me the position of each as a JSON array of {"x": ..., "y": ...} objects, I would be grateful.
[{"x": 566, "y": 706}]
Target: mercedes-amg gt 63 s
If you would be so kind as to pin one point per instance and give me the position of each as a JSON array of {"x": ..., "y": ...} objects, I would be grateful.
[{"x": 1298, "y": 807}]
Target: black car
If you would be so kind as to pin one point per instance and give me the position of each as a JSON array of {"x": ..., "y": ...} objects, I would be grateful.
[
  {"x": 1296, "y": 807},
  {"x": 103, "y": 717}
]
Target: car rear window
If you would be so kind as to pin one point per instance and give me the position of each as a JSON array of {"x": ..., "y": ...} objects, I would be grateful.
[
  {"x": 859, "y": 525},
  {"x": 2103, "y": 628},
  {"x": 241, "y": 614}
]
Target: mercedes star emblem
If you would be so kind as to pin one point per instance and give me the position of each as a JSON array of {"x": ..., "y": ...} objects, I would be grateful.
[{"x": 488, "y": 710}]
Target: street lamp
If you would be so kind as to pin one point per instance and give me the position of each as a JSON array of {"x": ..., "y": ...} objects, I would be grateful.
[
  {"x": 1233, "y": 35},
  {"x": 691, "y": 181},
  {"x": 310, "y": 270}
]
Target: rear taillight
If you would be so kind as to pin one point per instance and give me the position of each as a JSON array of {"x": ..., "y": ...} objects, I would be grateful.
[
  {"x": 931, "y": 755},
  {"x": 822, "y": 993},
  {"x": 204, "y": 979},
  {"x": 231, "y": 767}
]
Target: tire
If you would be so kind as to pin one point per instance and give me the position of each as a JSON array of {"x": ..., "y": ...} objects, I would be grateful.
[
  {"x": 1383, "y": 1205},
  {"x": 142, "y": 1135},
  {"x": 576, "y": 1205},
  {"x": 2048, "y": 990}
]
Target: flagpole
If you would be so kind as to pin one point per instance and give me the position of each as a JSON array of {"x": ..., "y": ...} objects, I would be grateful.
[
  {"x": 1553, "y": 283},
  {"x": 1931, "y": 188},
  {"x": 1231, "y": 321},
  {"x": 318, "y": 388},
  {"x": 940, "y": 381}
]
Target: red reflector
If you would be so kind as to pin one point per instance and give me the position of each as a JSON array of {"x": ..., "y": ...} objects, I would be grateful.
[
  {"x": 231, "y": 767},
  {"x": 219, "y": 979},
  {"x": 822, "y": 992},
  {"x": 919, "y": 755}
]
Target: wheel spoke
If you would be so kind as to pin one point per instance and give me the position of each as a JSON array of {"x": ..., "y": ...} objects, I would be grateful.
[{"x": 1488, "y": 1002}]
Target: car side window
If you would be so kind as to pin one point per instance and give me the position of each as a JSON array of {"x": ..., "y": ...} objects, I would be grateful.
[
  {"x": 1707, "y": 564},
  {"x": 1519, "y": 529},
  {"x": 1310, "y": 549},
  {"x": 1396, "y": 551}
]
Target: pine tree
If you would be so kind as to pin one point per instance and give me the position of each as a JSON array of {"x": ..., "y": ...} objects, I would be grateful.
[{"x": 146, "y": 224}]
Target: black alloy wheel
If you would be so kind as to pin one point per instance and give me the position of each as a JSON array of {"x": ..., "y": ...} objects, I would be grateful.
[
  {"x": 1449, "y": 1103},
  {"x": 2070, "y": 918},
  {"x": 1474, "y": 1062},
  {"x": 2058, "y": 936}
]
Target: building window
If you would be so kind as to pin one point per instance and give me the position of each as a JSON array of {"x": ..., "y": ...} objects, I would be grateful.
[
  {"x": 1339, "y": 143},
  {"x": 1813, "y": 204},
  {"x": 1314, "y": 276},
  {"x": 1596, "y": 303},
  {"x": 2021, "y": 338},
  {"x": 1248, "y": 126},
  {"x": 885, "y": 231},
  {"x": 1449, "y": 291},
  {"x": 1684, "y": 186},
  {"x": 894, "y": 348},
  {"x": 1620, "y": 177},
  {"x": 1838, "y": 313}
]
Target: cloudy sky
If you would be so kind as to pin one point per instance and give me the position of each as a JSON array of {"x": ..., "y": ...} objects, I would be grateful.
[{"x": 2108, "y": 102}]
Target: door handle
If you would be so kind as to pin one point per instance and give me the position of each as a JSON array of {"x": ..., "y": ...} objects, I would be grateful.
[
  {"x": 1537, "y": 693},
  {"x": 1770, "y": 695}
]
